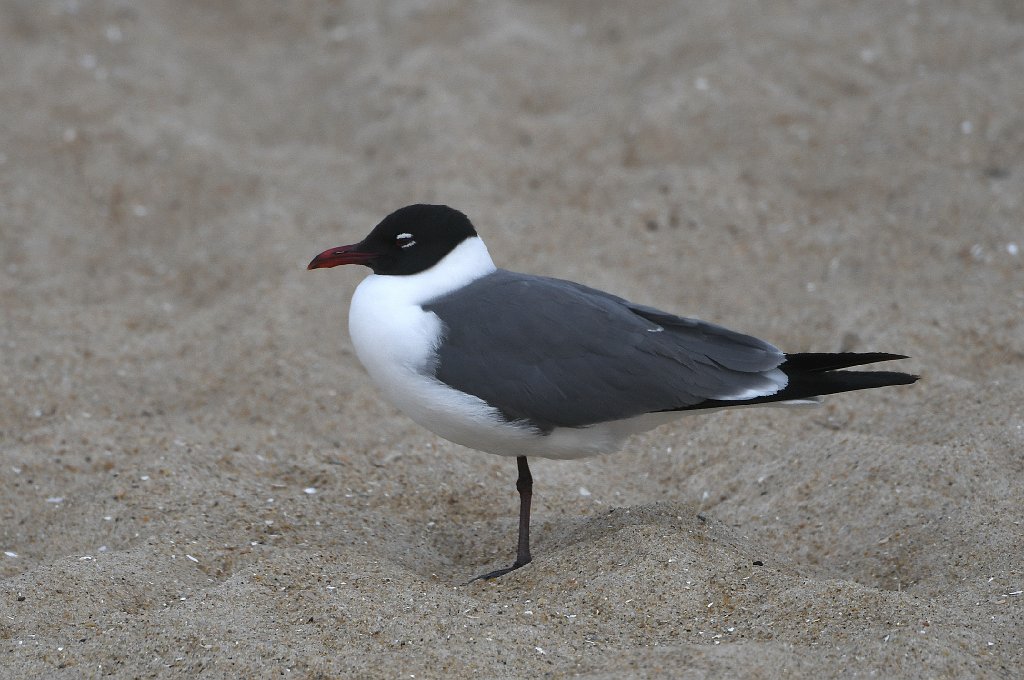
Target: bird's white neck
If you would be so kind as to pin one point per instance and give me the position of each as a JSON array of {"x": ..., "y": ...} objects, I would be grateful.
[{"x": 467, "y": 262}]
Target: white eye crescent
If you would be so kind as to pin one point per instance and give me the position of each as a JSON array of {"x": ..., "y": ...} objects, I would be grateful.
[{"x": 404, "y": 240}]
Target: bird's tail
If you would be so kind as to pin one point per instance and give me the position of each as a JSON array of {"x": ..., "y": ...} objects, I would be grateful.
[{"x": 817, "y": 374}]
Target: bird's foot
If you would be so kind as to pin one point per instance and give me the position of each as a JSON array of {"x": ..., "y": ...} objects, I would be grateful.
[{"x": 499, "y": 572}]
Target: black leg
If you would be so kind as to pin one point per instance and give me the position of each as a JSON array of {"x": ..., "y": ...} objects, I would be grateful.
[{"x": 525, "y": 487}]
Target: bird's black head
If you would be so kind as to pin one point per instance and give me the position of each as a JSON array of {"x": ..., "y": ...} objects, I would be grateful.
[{"x": 408, "y": 241}]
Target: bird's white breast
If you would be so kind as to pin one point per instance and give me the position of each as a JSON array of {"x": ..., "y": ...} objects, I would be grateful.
[{"x": 396, "y": 340}]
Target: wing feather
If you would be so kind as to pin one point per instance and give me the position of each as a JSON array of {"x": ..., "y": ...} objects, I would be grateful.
[{"x": 558, "y": 354}]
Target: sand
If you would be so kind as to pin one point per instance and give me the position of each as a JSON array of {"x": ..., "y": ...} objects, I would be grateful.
[{"x": 198, "y": 479}]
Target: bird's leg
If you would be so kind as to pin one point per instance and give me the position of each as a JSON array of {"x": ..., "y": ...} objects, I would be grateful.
[{"x": 524, "y": 485}]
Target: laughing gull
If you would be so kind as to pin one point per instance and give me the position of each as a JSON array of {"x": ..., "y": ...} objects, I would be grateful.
[{"x": 521, "y": 365}]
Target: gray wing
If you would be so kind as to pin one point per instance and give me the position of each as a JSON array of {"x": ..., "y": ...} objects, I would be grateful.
[{"x": 558, "y": 354}]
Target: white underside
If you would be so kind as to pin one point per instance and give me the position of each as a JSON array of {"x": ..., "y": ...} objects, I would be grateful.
[{"x": 396, "y": 340}]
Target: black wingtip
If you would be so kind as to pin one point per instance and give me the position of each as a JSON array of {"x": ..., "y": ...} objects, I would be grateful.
[
  {"x": 817, "y": 362},
  {"x": 814, "y": 380},
  {"x": 905, "y": 378},
  {"x": 821, "y": 383}
]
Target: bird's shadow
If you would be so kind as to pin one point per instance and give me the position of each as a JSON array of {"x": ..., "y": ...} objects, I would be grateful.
[{"x": 462, "y": 548}]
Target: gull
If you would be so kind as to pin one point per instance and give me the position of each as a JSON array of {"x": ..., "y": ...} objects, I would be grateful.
[{"x": 521, "y": 365}]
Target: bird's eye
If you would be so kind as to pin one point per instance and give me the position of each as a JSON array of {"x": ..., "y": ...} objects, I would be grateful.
[{"x": 404, "y": 241}]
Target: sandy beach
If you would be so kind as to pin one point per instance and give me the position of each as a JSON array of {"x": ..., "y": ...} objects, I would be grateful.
[{"x": 197, "y": 478}]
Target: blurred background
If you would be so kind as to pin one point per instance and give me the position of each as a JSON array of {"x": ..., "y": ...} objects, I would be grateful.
[{"x": 174, "y": 383}]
